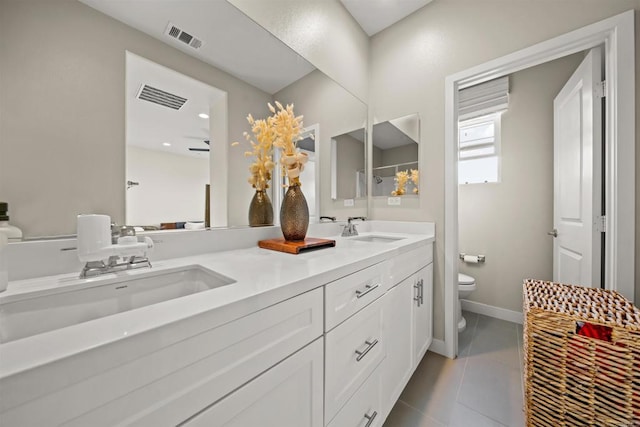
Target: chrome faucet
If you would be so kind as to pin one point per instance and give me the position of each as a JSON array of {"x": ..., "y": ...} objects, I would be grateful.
[
  {"x": 125, "y": 246},
  {"x": 96, "y": 268},
  {"x": 350, "y": 229}
]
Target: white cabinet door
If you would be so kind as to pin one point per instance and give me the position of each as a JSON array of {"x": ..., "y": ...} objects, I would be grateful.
[
  {"x": 398, "y": 365},
  {"x": 422, "y": 312},
  {"x": 287, "y": 395}
]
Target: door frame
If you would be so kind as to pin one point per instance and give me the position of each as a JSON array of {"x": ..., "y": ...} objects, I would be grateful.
[{"x": 617, "y": 35}]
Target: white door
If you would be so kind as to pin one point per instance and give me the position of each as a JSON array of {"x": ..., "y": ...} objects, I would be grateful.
[{"x": 578, "y": 176}]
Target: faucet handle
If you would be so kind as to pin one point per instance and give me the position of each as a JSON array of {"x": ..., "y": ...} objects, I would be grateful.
[
  {"x": 330, "y": 218},
  {"x": 353, "y": 218},
  {"x": 118, "y": 231}
]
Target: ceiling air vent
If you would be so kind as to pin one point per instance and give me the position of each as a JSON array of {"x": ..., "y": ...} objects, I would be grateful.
[
  {"x": 160, "y": 97},
  {"x": 186, "y": 38}
]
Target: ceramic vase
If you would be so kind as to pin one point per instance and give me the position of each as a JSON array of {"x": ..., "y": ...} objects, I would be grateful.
[
  {"x": 294, "y": 213},
  {"x": 260, "y": 210}
]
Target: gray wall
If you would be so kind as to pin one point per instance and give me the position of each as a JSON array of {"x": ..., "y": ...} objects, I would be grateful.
[
  {"x": 508, "y": 221},
  {"x": 410, "y": 60},
  {"x": 62, "y": 113},
  {"x": 402, "y": 154},
  {"x": 350, "y": 159}
]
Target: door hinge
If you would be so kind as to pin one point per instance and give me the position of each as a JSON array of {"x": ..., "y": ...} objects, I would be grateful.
[
  {"x": 601, "y": 224},
  {"x": 601, "y": 89}
]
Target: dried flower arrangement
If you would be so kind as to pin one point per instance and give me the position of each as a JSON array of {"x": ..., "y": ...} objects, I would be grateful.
[
  {"x": 401, "y": 181},
  {"x": 262, "y": 150},
  {"x": 415, "y": 178},
  {"x": 287, "y": 128},
  {"x": 281, "y": 130}
]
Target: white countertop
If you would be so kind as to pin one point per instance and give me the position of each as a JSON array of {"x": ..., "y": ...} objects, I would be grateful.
[{"x": 262, "y": 278}]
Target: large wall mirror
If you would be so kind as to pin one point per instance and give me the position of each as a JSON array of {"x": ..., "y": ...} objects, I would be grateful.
[
  {"x": 69, "y": 143},
  {"x": 396, "y": 145}
]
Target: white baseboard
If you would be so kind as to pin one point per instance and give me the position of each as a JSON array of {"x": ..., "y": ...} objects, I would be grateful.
[
  {"x": 491, "y": 311},
  {"x": 437, "y": 346}
]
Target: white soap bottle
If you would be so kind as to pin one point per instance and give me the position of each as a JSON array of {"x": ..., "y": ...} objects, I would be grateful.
[{"x": 14, "y": 234}]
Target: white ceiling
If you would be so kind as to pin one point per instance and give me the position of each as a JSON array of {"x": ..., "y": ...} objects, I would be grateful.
[
  {"x": 232, "y": 41},
  {"x": 386, "y": 135},
  {"x": 376, "y": 15},
  {"x": 150, "y": 125}
]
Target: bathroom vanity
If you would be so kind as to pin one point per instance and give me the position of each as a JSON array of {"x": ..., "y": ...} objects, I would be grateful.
[{"x": 237, "y": 337}]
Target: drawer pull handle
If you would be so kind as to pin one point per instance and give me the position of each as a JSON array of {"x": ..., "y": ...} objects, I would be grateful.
[
  {"x": 370, "y": 418},
  {"x": 419, "y": 297},
  {"x": 368, "y": 289},
  {"x": 363, "y": 353}
]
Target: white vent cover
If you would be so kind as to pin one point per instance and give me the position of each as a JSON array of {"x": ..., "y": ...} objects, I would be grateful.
[
  {"x": 186, "y": 38},
  {"x": 160, "y": 97}
]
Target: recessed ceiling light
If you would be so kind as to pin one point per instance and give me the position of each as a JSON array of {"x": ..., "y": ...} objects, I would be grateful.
[
  {"x": 203, "y": 116},
  {"x": 166, "y": 144}
]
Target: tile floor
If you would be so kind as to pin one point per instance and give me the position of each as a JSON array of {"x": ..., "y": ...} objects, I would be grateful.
[{"x": 482, "y": 387}]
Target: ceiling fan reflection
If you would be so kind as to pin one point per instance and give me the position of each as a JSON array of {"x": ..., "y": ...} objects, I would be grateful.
[{"x": 206, "y": 141}]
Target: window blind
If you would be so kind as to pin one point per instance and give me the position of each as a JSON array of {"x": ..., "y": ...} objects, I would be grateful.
[{"x": 484, "y": 98}]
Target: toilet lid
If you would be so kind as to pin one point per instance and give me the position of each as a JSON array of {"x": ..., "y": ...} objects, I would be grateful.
[{"x": 463, "y": 279}]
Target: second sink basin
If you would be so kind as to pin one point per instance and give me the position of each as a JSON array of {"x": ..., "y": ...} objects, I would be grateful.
[
  {"x": 377, "y": 239},
  {"x": 43, "y": 313}
]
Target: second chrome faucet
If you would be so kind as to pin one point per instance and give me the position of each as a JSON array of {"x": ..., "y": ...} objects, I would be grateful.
[{"x": 350, "y": 229}]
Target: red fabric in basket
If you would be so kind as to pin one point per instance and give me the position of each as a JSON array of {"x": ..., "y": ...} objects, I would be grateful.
[{"x": 595, "y": 331}]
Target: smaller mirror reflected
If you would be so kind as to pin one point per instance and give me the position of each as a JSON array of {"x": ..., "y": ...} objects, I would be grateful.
[
  {"x": 395, "y": 157},
  {"x": 348, "y": 177}
]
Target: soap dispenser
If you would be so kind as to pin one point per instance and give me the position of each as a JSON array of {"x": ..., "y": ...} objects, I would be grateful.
[{"x": 14, "y": 234}]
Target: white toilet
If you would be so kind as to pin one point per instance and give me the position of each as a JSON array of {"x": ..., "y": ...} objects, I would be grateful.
[{"x": 466, "y": 285}]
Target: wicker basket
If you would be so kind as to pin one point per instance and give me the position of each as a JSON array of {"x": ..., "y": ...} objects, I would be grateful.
[{"x": 574, "y": 380}]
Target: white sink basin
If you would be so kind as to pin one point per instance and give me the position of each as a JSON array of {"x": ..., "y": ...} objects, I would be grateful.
[
  {"x": 44, "y": 313},
  {"x": 377, "y": 239}
]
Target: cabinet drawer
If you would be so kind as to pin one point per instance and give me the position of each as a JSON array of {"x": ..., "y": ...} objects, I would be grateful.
[
  {"x": 346, "y": 296},
  {"x": 287, "y": 395},
  {"x": 168, "y": 386},
  {"x": 403, "y": 266},
  {"x": 364, "y": 408},
  {"x": 353, "y": 351}
]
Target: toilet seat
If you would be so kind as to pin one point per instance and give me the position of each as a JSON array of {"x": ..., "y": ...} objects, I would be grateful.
[{"x": 463, "y": 279}]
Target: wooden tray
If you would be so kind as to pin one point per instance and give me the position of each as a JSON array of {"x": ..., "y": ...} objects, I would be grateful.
[{"x": 309, "y": 243}]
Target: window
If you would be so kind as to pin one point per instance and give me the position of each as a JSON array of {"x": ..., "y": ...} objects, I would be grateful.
[{"x": 479, "y": 150}]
